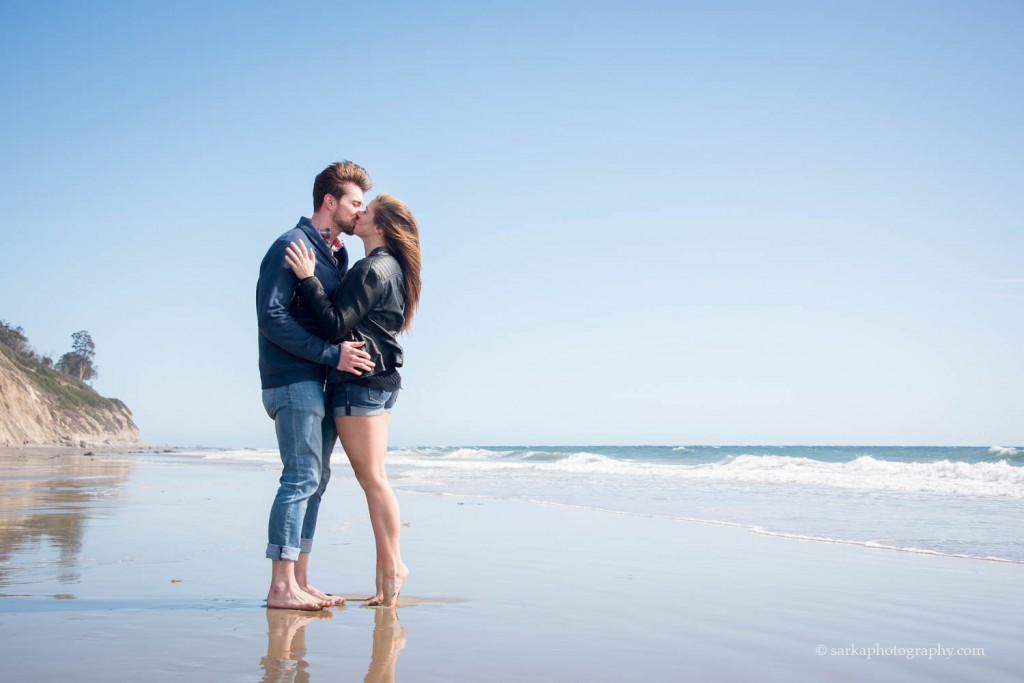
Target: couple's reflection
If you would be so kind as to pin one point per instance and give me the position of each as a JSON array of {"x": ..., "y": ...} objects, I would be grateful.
[
  {"x": 388, "y": 641},
  {"x": 286, "y": 645},
  {"x": 46, "y": 505}
]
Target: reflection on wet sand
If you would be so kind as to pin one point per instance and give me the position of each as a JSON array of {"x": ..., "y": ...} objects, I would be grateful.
[
  {"x": 388, "y": 641},
  {"x": 286, "y": 646},
  {"x": 45, "y": 503}
]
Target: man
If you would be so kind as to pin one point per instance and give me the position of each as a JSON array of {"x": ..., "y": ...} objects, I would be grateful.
[{"x": 293, "y": 361}]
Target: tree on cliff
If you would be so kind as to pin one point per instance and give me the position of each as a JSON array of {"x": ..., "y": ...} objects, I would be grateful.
[
  {"x": 14, "y": 338},
  {"x": 79, "y": 361}
]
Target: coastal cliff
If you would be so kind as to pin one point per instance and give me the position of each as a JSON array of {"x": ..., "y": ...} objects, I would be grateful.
[{"x": 42, "y": 407}]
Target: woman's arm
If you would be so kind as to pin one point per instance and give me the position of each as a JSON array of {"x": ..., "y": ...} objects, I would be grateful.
[{"x": 356, "y": 296}]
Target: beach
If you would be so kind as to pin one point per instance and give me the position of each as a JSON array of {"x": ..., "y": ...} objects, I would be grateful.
[{"x": 121, "y": 566}]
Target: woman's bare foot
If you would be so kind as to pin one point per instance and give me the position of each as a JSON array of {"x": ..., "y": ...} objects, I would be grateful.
[
  {"x": 391, "y": 587},
  {"x": 379, "y": 584},
  {"x": 328, "y": 600}
]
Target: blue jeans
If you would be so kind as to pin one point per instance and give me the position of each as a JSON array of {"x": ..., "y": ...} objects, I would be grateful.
[{"x": 306, "y": 438}]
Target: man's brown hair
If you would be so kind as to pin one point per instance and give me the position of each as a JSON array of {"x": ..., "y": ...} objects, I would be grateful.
[{"x": 331, "y": 181}]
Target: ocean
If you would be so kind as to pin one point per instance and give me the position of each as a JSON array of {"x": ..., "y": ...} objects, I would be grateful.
[{"x": 957, "y": 501}]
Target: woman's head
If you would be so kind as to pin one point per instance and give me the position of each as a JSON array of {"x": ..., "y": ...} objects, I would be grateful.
[{"x": 396, "y": 223}]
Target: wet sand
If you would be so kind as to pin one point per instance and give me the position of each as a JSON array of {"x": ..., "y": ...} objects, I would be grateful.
[{"x": 149, "y": 566}]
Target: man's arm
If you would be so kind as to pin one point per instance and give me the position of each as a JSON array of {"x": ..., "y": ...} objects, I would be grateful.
[{"x": 274, "y": 292}]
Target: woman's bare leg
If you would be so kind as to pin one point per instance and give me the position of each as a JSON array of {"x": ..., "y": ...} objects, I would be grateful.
[{"x": 365, "y": 440}]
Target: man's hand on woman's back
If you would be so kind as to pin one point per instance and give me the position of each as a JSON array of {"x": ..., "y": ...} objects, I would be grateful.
[{"x": 354, "y": 359}]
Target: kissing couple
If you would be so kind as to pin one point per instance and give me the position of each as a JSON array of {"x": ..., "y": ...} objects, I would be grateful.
[{"x": 329, "y": 359}]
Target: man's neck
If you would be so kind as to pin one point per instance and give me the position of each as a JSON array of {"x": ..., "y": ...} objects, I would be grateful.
[{"x": 321, "y": 222}]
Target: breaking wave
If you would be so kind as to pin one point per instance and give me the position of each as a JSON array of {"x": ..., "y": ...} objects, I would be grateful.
[{"x": 864, "y": 472}]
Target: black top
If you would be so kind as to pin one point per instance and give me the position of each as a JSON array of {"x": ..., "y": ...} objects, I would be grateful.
[
  {"x": 386, "y": 381},
  {"x": 369, "y": 306}
]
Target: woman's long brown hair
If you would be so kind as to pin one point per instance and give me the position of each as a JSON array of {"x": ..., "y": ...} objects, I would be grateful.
[{"x": 402, "y": 237}]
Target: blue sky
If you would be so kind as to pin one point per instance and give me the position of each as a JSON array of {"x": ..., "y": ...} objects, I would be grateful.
[{"x": 663, "y": 223}]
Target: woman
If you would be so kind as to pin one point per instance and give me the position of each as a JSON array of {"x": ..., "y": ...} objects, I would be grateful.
[{"x": 375, "y": 302}]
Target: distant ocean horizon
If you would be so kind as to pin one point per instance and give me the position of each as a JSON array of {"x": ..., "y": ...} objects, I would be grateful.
[{"x": 961, "y": 501}]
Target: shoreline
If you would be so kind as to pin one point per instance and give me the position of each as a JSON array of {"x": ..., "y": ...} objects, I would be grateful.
[{"x": 45, "y": 450}]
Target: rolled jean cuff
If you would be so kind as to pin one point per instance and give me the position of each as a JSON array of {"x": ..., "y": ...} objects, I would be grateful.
[
  {"x": 281, "y": 552},
  {"x": 306, "y": 544}
]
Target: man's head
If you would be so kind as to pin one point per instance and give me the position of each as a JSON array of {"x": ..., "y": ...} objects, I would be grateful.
[{"x": 338, "y": 194}]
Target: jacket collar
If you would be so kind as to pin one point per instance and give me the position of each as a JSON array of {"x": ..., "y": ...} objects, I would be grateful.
[
  {"x": 315, "y": 237},
  {"x": 380, "y": 250}
]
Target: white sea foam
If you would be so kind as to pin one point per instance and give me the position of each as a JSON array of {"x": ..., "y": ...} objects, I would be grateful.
[
  {"x": 864, "y": 472},
  {"x": 448, "y": 453},
  {"x": 983, "y": 478},
  {"x": 1003, "y": 450},
  {"x": 262, "y": 455},
  {"x": 473, "y": 453}
]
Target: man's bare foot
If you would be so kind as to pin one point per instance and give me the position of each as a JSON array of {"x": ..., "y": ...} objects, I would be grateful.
[
  {"x": 284, "y": 597},
  {"x": 330, "y": 600},
  {"x": 391, "y": 588}
]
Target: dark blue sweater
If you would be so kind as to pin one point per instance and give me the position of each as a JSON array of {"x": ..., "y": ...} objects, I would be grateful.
[{"x": 291, "y": 346}]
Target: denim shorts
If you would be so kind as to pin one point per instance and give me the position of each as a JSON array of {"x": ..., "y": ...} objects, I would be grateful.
[{"x": 349, "y": 398}]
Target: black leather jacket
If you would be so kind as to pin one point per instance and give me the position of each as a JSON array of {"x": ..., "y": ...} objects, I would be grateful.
[{"x": 369, "y": 306}]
